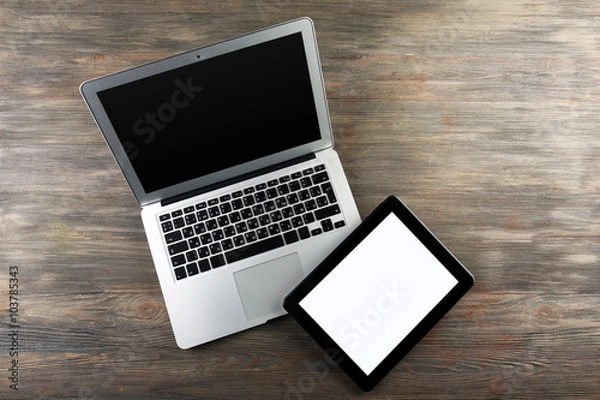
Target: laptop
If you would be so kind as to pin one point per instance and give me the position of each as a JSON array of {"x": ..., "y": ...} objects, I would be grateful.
[{"x": 228, "y": 150}]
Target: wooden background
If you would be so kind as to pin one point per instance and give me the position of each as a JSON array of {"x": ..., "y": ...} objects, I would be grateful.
[{"x": 482, "y": 115}]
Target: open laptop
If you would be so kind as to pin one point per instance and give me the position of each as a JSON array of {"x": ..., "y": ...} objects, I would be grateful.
[{"x": 228, "y": 149}]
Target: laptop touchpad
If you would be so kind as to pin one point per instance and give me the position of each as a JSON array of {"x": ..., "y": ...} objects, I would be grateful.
[{"x": 263, "y": 287}]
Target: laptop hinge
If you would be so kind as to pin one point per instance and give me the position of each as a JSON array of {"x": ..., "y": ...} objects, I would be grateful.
[{"x": 237, "y": 179}]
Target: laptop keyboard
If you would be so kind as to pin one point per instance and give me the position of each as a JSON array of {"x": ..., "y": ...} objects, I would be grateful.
[{"x": 247, "y": 222}]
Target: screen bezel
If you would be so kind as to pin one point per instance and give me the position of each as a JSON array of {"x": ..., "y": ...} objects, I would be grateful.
[
  {"x": 90, "y": 89},
  {"x": 465, "y": 281}
]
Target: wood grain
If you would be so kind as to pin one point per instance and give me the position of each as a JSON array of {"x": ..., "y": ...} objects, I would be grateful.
[{"x": 481, "y": 115}]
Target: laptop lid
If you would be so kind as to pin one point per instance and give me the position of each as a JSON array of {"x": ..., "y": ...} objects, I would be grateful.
[{"x": 214, "y": 113}]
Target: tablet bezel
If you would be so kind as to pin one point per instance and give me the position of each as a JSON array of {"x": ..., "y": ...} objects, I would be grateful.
[{"x": 465, "y": 281}]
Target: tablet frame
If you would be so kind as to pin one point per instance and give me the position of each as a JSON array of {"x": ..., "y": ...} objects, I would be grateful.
[{"x": 465, "y": 281}]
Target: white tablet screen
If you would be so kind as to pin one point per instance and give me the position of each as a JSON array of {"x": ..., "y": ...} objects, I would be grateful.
[{"x": 378, "y": 293}]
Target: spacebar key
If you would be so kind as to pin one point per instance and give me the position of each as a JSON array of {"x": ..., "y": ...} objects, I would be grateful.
[{"x": 253, "y": 249}]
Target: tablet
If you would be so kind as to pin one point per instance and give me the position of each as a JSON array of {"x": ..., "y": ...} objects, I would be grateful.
[{"x": 378, "y": 293}]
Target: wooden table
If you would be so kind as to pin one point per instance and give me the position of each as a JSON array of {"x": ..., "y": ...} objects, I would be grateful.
[{"x": 481, "y": 115}]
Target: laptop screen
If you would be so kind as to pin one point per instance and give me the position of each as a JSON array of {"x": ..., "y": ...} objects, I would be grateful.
[{"x": 214, "y": 114}]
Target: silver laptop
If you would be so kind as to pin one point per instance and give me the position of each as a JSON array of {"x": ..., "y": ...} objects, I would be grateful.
[{"x": 228, "y": 149}]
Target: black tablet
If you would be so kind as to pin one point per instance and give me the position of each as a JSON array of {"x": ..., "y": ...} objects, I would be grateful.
[{"x": 378, "y": 293}]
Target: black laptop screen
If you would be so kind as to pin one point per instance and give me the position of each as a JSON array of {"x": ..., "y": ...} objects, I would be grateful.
[{"x": 216, "y": 113}]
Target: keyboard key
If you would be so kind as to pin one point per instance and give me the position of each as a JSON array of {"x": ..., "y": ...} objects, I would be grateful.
[
  {"x": 294, "y": 186},
  {"x": 194, "y": 242},
  {"x": 327, "y": 212},
  {"x": 306, "y": 182},
  {"x": 255, "y": 248},
  {"x": 340, "y": 224},
  {"x": 213, "y": 202},
  {"x": 180, "y": 273},
  {"x": 328, "y": 190},
  {"x": 250, "y": 237},
  {"x": 200, "y": 228},
  {"x": 213, "y": 212},
  {"x": 203, "y": 252},
  {"x": 287, "y": 212},
  {"x": 223, "y": 221},
  {"x": 322, "y": 201},
  {"x": 215, "y": 248},
  {"x": 285, "y": 225},
  {"x": 283, "y": 189},
  {"x": 173, "y": 237},
  {"x": 178, "y": 248},
  {"x": 202, "y": 215},
  {"x": 227, "y": 244},
  {"x": 191, "y": 256},
  {"x": 237, "y": 204},
  {"x": 273, "y": 182},
  {"x": 229, "y": 231},
  {"x": 304, "y": 233},
  {"x": 188, "y": 232},
  {"x": 247, "y": 213},
  {"x": 201, "y": 206},
  {"x": 308, "y": 171},
  {"x": 271, "y": 193},
  {"x": 212, "y": 225},
  {"x": 280, "y": 202},
  {"x": 237, "y": 194},
  {"x": 297, "y": 222},
  {"x": 270, "y": 206},
  {"x": 190, "y": 219},
  {"x": 320, "y": 168},
  {"x": 225, "y": 208},
  {"x": 178, "y": 223},
  {"x": 235, "y": 217},
  {"x": 274, "y": 229},
  {"x": 262, "y": 233},
  {"x": 165, "y": 217},
  {"x": 327, "y": 225},
  {"x": 188, "y": 210},
  {"x": 178, "y": 260},
  {"x": 239, "y": 240},
  {"x": 261, "y": 186},
  {"x": 241, "y": 227},
  {"x": 218, "y": 235},
  {"x": 217, "y": 261},
  {"x": 264, "y": 220},
  {"x": 177, "y": 213},
  {"x": 248, "y": 201},
  {"x": 206, "y": 238},
  {"x": 308, "y": 218},
  {"x": 224, "y": 198},
  {"x": 297, "y": 175},
  {"x": 291, "y": 237},
  {"x": 253, "y": 223},
  {"x": 258, "y": 209},
  {"x": 204, "y": 265},
  {"x": 260, "y": 197},
  {"x": 192, "y": 269}
]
